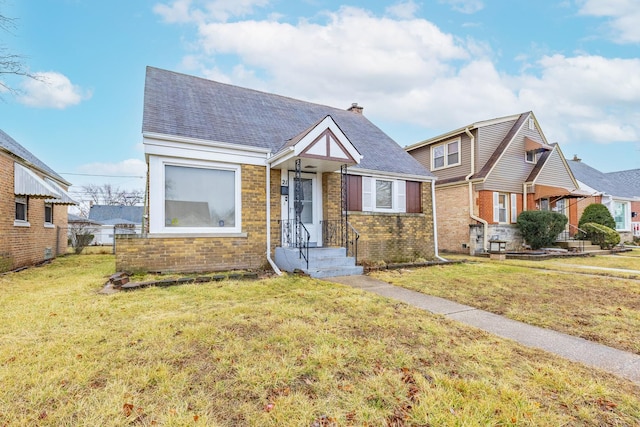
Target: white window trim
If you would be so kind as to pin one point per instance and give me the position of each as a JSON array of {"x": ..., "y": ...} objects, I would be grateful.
[
  {"x": 496, "y": 208},
  {"x": 446, "y": 154},
  {"x": 534, "y": 161},
  {"x": 627, "y": 217},
  {"x": 398, "y": 190},
  {"x": 157, "y": 196}
]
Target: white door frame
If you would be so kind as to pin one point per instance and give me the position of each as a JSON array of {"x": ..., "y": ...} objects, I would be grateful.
[{"x": 315, "y": 228}]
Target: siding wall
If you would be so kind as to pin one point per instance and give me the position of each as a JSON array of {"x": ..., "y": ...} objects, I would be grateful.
[
  {"x": 423, "y": 155},
  {"x": 512, "y": 169},
  {"x": 555, "y": 173},
  {"x": 24, "y": 246},
  {"x": 487, "y": 140}
]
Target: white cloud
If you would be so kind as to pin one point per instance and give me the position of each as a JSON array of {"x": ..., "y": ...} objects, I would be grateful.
[
  {"x": 403, "y": 10},
  {"x": 623, "y": 15},
  {"x": 126, "y": 168},
  {"x": 51, "y": 90},
  {"x": 183, "y": 11},
  {"x": 407, "y": 70},
  {"x": 465, "y": 6}
]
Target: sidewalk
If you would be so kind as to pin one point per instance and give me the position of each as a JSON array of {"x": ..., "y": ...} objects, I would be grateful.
[{"x": 617, "y": 362}]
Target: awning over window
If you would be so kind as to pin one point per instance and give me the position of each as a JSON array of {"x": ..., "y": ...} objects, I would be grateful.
[
  {"x": 27, "y": 183},
  {"x": 64, "y": 199},
  {"x": 546, "y": 191},
  {"x": 533, "y": 145}
]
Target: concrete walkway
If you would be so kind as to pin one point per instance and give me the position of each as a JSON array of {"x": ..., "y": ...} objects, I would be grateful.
[{"x": 617, "y": 362}]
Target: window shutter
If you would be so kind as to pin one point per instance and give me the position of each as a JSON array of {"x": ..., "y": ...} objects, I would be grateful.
[
  {"x": 514, "y": 207},
  {"x": 367, "y": 196},
  {"x": 354, "y": 193},
  {"x": 414, "y": 197},
  {"x": 496, "y": 207},
  {"x": 401, "y": 201}
]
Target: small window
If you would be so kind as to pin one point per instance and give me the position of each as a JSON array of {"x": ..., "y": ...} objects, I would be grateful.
[
  {"x": 531, "y": 157},
  {"x": 384, "y": 194},
  {"x": 532, "y": 124},
  {"x": 446, "y": 155},
  {"x": 21, "y": 209},
  {"x": 48, "y": 213},
  {"x": 544, "y": 204},
  {"x": 501, "y": 207}
]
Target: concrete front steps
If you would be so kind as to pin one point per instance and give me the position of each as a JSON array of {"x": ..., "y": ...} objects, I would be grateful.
[
  {"x": 323, "y": 262},
  {"x": 583, "y": 246}
]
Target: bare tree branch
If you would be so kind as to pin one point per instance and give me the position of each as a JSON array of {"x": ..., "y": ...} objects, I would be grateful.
[{"x": 10, "y": 63}]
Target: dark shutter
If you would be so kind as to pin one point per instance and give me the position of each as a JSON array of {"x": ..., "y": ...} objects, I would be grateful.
[
  {"x": 414, "y": 197},
  {"x": 354, "y": 193}
]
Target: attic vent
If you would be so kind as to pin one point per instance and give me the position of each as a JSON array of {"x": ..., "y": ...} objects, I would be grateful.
[{"x": 532, "y": 124}]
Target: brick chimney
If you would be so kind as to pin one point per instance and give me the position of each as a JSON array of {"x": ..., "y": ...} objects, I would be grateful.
[
  {"x": 355, "y": 108},
  {"x": 576, "y": 158}
]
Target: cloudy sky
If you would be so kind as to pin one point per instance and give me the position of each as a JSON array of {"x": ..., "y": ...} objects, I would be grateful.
[{"x": 419, "y": 69}]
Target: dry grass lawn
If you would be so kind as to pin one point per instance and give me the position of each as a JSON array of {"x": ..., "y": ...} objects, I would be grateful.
[
  {"x": 287, "y": 351},
  {"x": 598, "y": 308}
]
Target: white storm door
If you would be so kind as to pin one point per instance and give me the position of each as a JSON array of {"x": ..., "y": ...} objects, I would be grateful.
[{"x": 310, "y": 204}]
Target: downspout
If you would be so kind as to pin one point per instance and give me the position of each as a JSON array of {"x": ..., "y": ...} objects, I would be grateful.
[
  {"x": 524, "y": 196},
  {"x": 268, "y": 193},
  {"x": 468, "y": 179},
  {"x": 435, "y": 228}
]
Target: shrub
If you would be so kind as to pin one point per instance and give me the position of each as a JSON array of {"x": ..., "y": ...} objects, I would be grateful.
[
  {"x": 601, "y": 235},
  {"x": 541, "y": 228},
  {"x": 599, "y": 214}
]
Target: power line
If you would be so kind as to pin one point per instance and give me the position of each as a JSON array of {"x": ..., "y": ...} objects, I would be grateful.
[{"x": 108, "y": 176}]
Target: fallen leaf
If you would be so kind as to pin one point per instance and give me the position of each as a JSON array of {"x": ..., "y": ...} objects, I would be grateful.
[{"x": 127, "y": 408}]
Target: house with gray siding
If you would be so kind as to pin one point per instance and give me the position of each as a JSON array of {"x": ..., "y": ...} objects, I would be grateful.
[
  {"x": 618, "y": 191},
  {"x": 243, "y": 179},
  {"x": 488, "y": 172}
]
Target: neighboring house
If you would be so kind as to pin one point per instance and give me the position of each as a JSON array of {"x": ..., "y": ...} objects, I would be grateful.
[
  {"x": 488, "y": 173},
  {"x": 115, "y": 219},
  {"x": 618, "y": 191},
  {"x": 33, "y": 208},
  {"x": 235, "y": 173}
]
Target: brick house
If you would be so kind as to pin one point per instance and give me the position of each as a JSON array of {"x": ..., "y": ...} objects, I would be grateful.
[
  {"x": 237, "y": 175},
  {"x": 488, "y": 173},
  {"x": 33, "y": 208},
  {"x": 618, "y": 191}
]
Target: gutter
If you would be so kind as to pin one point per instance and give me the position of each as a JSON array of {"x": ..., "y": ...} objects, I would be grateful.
[
  {"x": 468, "y": 179},
  {"x": 268, "y": 193}
]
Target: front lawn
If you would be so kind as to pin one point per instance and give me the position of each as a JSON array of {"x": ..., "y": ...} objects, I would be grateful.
[
  {"x": 287, "y": 351},
  {"x": 598, "y": 308}
]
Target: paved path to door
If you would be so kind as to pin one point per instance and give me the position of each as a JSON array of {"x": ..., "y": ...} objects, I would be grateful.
[{"x": 617, "y": 362}]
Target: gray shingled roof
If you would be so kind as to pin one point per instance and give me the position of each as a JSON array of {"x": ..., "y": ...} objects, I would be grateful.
[
  {"x": 193, "y": 107},
  {"x": 10, "y": 145},
  {"x": 106, "y": 214},
  {"x": 629, "y": 179},
  {"x": 613, "y": 183}
]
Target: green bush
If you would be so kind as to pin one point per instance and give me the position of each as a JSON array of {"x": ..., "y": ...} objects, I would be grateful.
[
  {"x": 601, "y": 235},
  {"x": 541, "y": 228},
  {"x": 599, "y": 214}
]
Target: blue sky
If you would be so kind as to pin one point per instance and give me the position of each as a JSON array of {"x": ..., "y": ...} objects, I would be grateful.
[{"x": 419, "y": 68}]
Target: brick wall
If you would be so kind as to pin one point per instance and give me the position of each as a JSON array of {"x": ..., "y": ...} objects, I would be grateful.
[
  {"x": 197, "y": 254},
  {"x": 383, "y": 236},
  {"x": 23, "y": 246},
  {"x": 452, "y": 216}
]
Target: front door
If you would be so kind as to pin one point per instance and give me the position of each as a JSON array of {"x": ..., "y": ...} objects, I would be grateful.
[{"x": 310, "y": 205}]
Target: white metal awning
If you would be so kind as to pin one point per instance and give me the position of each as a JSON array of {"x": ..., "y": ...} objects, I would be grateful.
[
  {"x": 65, "y": 198},
  {"x": 27, "y": 183}
]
